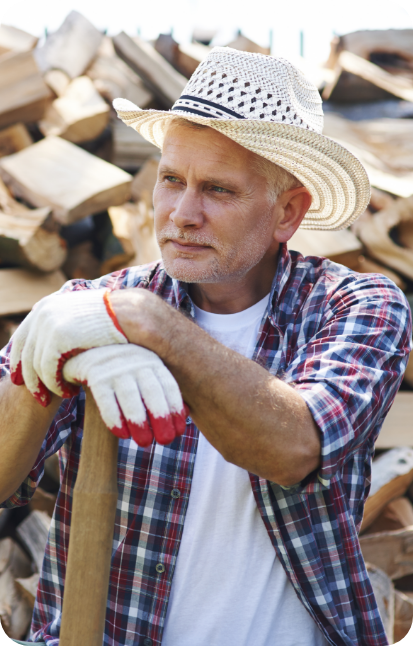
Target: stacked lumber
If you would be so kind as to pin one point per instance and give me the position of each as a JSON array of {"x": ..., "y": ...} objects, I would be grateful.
[{"x": 76, "y": 191}]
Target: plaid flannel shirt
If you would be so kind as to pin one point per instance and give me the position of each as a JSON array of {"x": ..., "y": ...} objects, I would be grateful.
[{"x": 342, "y": 340}]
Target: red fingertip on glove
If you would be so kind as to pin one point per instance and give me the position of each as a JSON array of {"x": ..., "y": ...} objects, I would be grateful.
[
  {"x": 42, "y": 394},
  {"x": 141, "y": 433},
  {"x": 16, "y": 376},
  {"x": 163, "y": 428}
]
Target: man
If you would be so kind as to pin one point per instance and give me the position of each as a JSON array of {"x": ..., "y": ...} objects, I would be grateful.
[{"x": 241, "y": 528}]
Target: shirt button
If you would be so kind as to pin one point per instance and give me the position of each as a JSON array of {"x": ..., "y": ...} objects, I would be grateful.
[
  {"x": 175, "y": 493},
  {"x": 160, "y": 568},
  {"x": 188, "y": 420},
  {"x": 147, "y": 641}
]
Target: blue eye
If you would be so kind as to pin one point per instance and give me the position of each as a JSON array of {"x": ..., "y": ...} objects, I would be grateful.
[{"x": 219, "y": 189}]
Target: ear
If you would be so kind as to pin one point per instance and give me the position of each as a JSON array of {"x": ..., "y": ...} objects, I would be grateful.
[{"x": 292, "y": 206}]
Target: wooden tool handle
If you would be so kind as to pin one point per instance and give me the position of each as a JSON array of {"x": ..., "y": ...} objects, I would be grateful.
[{"x": 91, "y": 534}]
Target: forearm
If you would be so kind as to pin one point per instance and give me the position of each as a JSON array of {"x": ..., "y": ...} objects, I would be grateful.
[
  {"x": 24, "y": 424},
  {"x": 252, "y": 418}
]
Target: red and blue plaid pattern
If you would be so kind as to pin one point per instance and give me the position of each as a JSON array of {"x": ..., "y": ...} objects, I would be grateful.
[{"x": 342, "y": 340}]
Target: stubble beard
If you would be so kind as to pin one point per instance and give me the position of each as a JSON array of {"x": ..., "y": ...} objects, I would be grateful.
[{"x": 230, "y": 263}]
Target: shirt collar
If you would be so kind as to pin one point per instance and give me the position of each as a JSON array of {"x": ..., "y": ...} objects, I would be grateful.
[{"x": 282, "y": 274}]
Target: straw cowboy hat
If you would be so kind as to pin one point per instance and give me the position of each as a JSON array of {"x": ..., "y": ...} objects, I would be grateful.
[{"x": 268, "y": 106}]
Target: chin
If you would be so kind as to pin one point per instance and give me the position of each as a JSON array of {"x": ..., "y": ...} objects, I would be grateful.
[{"x": 188, "y": 271}]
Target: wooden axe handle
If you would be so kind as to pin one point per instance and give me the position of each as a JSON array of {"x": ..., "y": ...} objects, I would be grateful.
[{"x": 91, "y": 534}]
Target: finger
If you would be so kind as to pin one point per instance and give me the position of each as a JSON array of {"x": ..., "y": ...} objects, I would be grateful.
[
  {"x": 109, "y": 409},
  {"x": 18, "y": 341},
  {"x": 132, "y": 407},
  {"x": 174, "y": 399},
  {"x": 157, "y": 407},
  {"x": 33, "y": 382},
  {"x": 163, "y": 428}
]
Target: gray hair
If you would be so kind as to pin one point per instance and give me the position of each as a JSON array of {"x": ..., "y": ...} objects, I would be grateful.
[{"x": 278, "y": 179}]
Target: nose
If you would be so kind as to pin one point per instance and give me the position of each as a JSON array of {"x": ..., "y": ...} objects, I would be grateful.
[{"x": 187, "y": 210}]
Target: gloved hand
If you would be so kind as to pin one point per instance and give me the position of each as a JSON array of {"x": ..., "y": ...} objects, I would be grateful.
[
  {"x": 61, "y": 326},
  {"x": 136, "y": 394}
]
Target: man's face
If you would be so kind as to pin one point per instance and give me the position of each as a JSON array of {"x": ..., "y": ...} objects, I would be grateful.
[{"x": 213, "y": 218}]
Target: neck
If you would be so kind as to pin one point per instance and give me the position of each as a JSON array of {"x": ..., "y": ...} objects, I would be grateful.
[{"x": 232, "y": 296}]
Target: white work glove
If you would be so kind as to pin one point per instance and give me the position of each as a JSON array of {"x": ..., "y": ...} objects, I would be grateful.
[
  {"x": 61, "y": 326},
  {"x": 136, "y": 394}
]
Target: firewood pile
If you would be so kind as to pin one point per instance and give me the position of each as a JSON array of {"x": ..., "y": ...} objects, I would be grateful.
[{"x": 76, "y": 202}]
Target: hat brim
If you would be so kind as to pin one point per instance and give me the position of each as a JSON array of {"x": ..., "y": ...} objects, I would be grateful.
[{"x": 336, "y": 179}]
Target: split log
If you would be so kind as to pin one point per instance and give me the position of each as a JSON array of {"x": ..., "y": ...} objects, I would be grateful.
[
  {"x": 74, "y": 183},
  {"x": 81, "y": 262},
  {"x": 403, "y": 615},
  {"x": 167, "y": 47},
  {"x": 390, "y": 551},
  {"x": 189, "y": 56},
  {"x": 145, "y": 179},
  {"x": 57, "y": 80},
  {"x": 398, "y": 514},
  {"x": 114, "y": 79},
  {"x": 399, "y": 86},
  {"x": 72, "y": 47},
  {"x": 78, "y": 114},
  {"x": 20, "y": 289},
  {"x": 43, "y": 501},
  {"x": 28, "y": 588},
  {"x": 15, "y": 612},
  {"x": 397, "y": 427},
  {"x": 157, "y": 74},
  {"x": 23, "y": 241},
  {"x": 339, "y": 246},
  {"x": 15, "y": 40},
  {"x": 130, "y": 150},
  {"x": 408, "y": 375},
  {"x": 24, "y": 95},
  {"x": 33, "y": 532},
  {"x": 374, "y": 233},
  {"x": 392, "y": 473},
  {"x": 13, "y": 139},
  {"x": 133, "y": 228},
  {"x": 392, "y": 47},
  {"x": 385, "y": 146},
  {"x": 384, "y": 593},
  {"x": 244, "y": 44}
]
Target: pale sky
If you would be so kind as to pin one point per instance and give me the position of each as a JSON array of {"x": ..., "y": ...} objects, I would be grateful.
[{"x": 318, "y": 19}]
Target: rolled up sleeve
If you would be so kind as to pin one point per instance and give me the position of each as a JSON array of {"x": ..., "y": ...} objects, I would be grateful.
[{"x": 350, "y": 371}]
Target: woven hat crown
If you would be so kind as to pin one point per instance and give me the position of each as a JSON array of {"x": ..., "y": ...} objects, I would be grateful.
[{"x": 230, "y": 84}]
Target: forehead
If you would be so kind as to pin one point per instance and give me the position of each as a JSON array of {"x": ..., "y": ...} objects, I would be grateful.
[{"x": 188, "y": 145}]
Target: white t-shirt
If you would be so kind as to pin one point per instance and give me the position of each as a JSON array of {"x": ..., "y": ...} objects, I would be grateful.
[{"x": 229, "y": 588}]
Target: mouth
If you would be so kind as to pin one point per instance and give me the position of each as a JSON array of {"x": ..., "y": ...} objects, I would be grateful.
[{"x": 188, "y": 247}]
